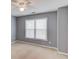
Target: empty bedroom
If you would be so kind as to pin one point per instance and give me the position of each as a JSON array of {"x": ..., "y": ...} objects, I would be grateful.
[{"x": 39, "y": 29}]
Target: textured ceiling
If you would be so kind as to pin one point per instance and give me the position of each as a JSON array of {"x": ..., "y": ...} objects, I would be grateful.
[{"x": 39, "y": 6}]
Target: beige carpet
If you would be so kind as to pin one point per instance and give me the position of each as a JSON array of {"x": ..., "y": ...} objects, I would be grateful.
[{"x": 26, "y": 51}]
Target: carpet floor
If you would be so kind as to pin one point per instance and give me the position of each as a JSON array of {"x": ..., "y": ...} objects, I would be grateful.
[{"x": 26, "y": 51}]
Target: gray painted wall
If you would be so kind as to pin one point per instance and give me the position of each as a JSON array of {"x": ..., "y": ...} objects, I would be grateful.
[
  {"x": 57, "y": 29},
  {"x": 62, "y": 29},
  {"x": 13, "y": 28},
  {"x": 51, "y": 28}
]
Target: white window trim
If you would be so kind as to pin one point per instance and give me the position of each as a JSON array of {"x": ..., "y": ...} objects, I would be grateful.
[{"x": 35, "y": 29}]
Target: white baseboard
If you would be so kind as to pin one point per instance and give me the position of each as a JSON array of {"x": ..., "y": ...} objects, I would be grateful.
[
  {"x": 44, "y": 47},
  {"x": 13, "y": 42},
  {"x": 63, "y": 53},
  {"x": 38, "y": 45},
  {"x": 52, "y": 48}
]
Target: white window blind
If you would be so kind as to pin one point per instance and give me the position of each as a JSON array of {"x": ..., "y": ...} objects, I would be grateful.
[
  {"x": 29, "y": 27},
  {"x": 41, "y": 29},
  {"x": 36, "y": 29}
]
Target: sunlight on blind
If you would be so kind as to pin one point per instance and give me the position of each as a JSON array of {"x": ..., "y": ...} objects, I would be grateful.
[
  {"x": 36, "y": 29},
  {"x": 29, "y": 27},
  {"x": 41, "y": 29}
]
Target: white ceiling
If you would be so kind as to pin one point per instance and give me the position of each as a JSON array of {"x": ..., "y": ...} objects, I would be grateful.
[{"x": 40, "y": 6}]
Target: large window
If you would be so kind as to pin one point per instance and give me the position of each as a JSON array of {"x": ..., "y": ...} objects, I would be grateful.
[{"x": 36, "y": 29}]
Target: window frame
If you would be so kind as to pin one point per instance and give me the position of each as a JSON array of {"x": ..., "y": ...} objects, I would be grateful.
[{"x": 35, "y": 29}]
